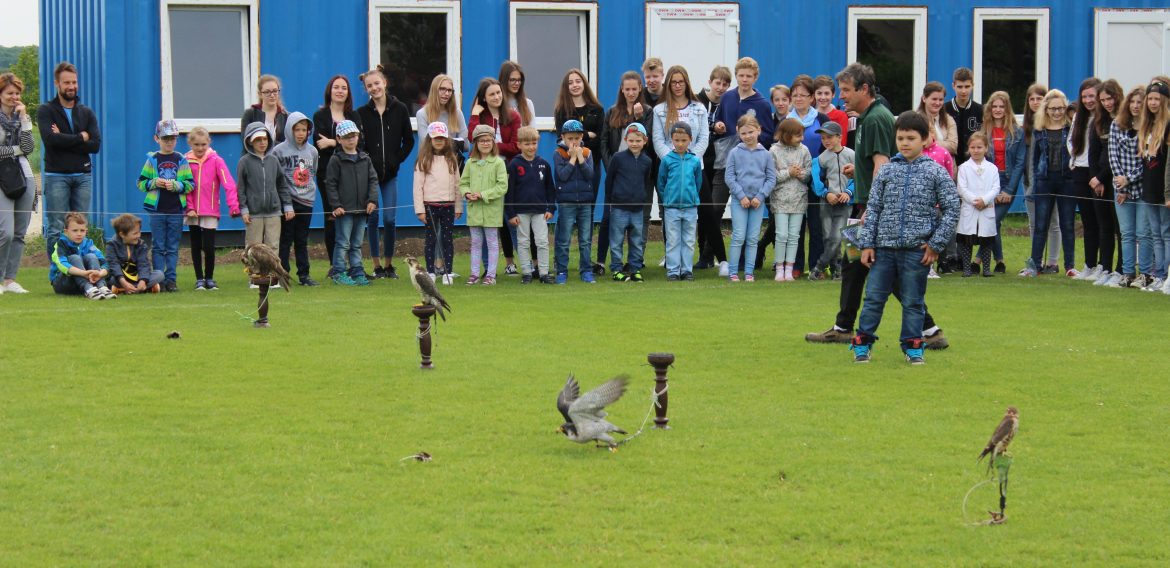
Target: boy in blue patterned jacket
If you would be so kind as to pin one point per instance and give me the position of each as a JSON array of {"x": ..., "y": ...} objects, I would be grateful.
[{"x": 903, "y": 235}]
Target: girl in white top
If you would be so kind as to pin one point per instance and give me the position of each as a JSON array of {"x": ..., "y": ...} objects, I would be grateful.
[
  {"x": 443, "y": 106},
  {"x": 680, "y": 104},
  {"x": 978, "y": 187}
]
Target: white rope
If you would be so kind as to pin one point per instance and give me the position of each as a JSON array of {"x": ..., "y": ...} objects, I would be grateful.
[{"x": 653, "y": 404}]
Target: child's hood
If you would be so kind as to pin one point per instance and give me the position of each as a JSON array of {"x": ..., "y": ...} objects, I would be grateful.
[
  {"x": 293, "y": 118},
  {"x": 208, "y": 156},
  {"x": 758, "y": 148},
  {"x": 252, "y": 129}
]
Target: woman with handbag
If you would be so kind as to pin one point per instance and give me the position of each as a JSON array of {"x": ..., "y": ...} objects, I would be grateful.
[{"x": 16, "y": 181}]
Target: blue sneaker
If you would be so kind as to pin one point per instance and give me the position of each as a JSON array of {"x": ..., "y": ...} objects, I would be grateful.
[
  {"x": 861, "y": 353},
  {"x": 914, "y": 356},
  {"x": 360, "y": 280},
  {"x": 343, "y": 279},
  {"x": 562, "y": 277},
  {"x": 587, "y": 277}
]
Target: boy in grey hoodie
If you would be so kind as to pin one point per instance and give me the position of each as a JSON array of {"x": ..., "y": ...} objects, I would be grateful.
[
  {"x": 262, "y": 189},
  {"x": 298, "y": 162}
]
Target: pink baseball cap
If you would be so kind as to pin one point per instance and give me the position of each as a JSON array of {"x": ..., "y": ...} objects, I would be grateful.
[{"x": 437, "y": 130}]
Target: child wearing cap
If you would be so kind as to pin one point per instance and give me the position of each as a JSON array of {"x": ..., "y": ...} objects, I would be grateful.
[
  {"x": 575, "y": 197},
  {"x": 630, "y": 173},
  {"x": 530, "y": 203},
  {"x": 351, "y": 184},
  {"x": 836, "y": 189},
  {"x": 483, "y": 185},
  {"x": 437, "y": 201},
  {"x": 262, "y": 189},
  {"x": 166, "y": 180},
  {"x": 679, "y": 178}
]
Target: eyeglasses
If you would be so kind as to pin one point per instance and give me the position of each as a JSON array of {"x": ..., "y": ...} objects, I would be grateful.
[
  {"x": 270, "y": 92},
  {"x": 515, "y": 80},
  {"x": 678, "y": 83},
  {"x": 446, "y": 90},
  {"x": 1056, "y": 109}
]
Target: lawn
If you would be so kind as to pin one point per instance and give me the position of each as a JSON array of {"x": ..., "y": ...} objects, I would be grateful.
[{"x": 237, "y": 446}]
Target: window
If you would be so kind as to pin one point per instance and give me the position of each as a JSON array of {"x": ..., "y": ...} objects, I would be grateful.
[
  {"x": 877, "y": 37},
  {"x": 697, "y": 36},
  {"x": 415, "y": 40},
  {"x": 1011, "y": 51},
  {"x": 548, "y": 39},
  {"x": 193, "y": 92},
  {"x": 1132, "y": 45}
]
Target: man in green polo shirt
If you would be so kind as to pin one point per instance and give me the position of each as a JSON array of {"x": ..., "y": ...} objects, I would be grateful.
[{"x": 873, "y": 146}]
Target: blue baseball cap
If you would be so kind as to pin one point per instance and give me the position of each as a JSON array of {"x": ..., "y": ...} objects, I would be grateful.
[
  {"x": 345, "y": 128},
  {"x": 572, "y": 126},
  {"x": 635, "y": 127}
]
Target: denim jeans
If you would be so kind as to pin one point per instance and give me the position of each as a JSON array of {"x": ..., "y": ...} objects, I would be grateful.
[
  {"x": 64, "y": 193},
  {"x": 680, "y": 225},
  {"x": 619, "y": 221},
  {"x": 350, "y": 232},
  {"x": 788, "y": 236},
  {"x": 834, "y": 219},
  {"x": 165, "y": 231},
  {"x": 389, "y": 200},
  {"x": 895, "y": 267},
  {"x": 1053, "y": 230},
  {"x": 568, "y": 216},
  {"x": 1158, "y": 217},
  {"x": 745, "y": 236},
  {"x": 1054, "y": 194},
  {"x": 1135, "y": 234},
  {"x": 1001, "y": 211},
  {"x": 67, "y": 284}
]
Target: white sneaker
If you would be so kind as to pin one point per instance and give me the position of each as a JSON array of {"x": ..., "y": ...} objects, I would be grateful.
[
  {"x": 107, "y": 294},
  {"x": 432, "y": 275},
  {"x": 1114, "y": 281},
  {"x": 723, "y": 269},
  {"x": 1103, "y": 278},
  {"x": 1155, "y": 286},
  {"x": 932, "y": 274},
  {"x": 448, "y": 279},
  {"x": 662, "y": 262},
  {"x": 1085, "y": 273},
  {"x": 1166, "y": 287},
  {"x": 254, "y": 286},
  {"x": 277, "y": 285},
  {"x": 94, "y": 294},
  {"x": 453, "y": 275},
  {"x": 14, "y": 287}
]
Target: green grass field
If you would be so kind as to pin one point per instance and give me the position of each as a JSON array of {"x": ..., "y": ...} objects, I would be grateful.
[{"x": 237, "y": 446}]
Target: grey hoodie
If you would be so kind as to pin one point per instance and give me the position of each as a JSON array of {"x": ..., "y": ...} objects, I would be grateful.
[
  {"x": 298, "y": 163},
  {"x": 261, "y": 186}
]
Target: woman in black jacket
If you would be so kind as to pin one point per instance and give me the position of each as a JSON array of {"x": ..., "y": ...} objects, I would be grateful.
[
  {"x": 389, "y": 139},
  {"x": 338, "y": 106},
  {"x": 1109, "y": 98}
]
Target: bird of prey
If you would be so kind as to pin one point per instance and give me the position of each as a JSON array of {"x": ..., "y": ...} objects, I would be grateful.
[
  {"x": 426, "y": 288},
  {"x": 263, "y": 262},
  {"x": 585, "y": 415},
  {"x": 1003, "y": 435}
]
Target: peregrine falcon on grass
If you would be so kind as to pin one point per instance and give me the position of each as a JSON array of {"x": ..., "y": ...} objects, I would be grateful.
[
  {"x": 585, "y": 415},
  {"x": 426, "y": 288}
]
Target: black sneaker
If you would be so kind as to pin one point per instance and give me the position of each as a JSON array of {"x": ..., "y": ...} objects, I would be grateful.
[
  {"x": 510, "y": 270},
  {"x": 391, "y": 273},
  {"x": 379, "y": 272},
  {"x": 547, "y": 279},
  {"x": 620, "y": 276},
  {"x": 307, "y": 281},
  {"x": 598, "y": 269},
  {"x": 672, "y": 278},
  {"x": 688, "y": 276},
  {"x": 526, "y": 279},
  {"x": 704, "y": 264},
  {"x": 637, "y": 276},
  {"x": 1000, "y": 268},
  {"x": 170, "y": 287}
]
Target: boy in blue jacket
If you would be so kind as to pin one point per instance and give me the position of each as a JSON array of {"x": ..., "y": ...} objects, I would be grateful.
[
  {"x": 529, "y": 204},
  {"x": 631, "y": 173},
  {"x": 78, "y": 266},
  {"x": 902, "y": 236},
  {"x": 679, "y": 178},
  {"x": 575, "y": 197}
]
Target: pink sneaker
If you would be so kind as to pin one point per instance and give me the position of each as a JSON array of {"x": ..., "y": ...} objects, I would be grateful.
[
  {"x": 749, "y": 278},
  {"x": 489, "y": 280},
  {"x": 734, "y": 278},
  {"x": 472, "y": 280},
  {"x": 779, "y": 274}
]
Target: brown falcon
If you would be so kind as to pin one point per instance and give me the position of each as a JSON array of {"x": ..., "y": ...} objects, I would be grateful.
[
  {"x": 1003, "y": 435},
  {"x": 263, "y": 262},
  {"x": 426, "y": 288}
]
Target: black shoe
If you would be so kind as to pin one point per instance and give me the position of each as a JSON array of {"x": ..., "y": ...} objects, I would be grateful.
[
  {"x": 1000, "y": 268},
  {"x": 704, "y": 264},
  {"x": 526, "y": 279},
  {"x": 391, "y": 273},
  {"x": 170, "y": 287},
  {"x": 370, "y": 276},
  {"x": 379, "y": 272},
  {"x": 547, "y": 279},
  {"x": 672, "y": 278},
  {"x": 688, "y": 276},
  {"x": 307, "y": 281},
  {"x": 598, "y": 269}
]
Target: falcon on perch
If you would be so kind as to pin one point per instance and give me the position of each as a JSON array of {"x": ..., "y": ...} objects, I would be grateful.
[
  {"x": 425, "y": 286},
  {"x": 585, "y": 415},
  {"x": 263, "y": 262},
  {"x": 1003, "y": 435}
]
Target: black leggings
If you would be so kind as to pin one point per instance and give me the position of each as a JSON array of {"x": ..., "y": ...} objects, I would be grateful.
[
  {"x": 1081, "y": 189},
  {"x": 440, "y": 230},
  {"x": 203, "y": 252}
]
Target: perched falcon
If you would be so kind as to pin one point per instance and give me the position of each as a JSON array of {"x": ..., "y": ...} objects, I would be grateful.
[
  {"x": 263, "y": 262},
  {"x": 426, "y": 287},
  {"x": 585, "y": 415},
  {"x": 1003, "y": 435}
]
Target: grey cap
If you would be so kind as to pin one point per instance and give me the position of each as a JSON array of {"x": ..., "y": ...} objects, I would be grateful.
[
  {"x": 831, "y": 128},
  {"x": 680, "y": 125}
]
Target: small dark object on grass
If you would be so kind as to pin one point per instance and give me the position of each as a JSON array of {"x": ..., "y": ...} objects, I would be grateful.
[
  {"x": 419, "y": 457},
  {"x": 996, "y": 518},
  {"x": 174, "y": 335}
]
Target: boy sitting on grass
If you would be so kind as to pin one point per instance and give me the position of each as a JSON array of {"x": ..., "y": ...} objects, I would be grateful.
[
  {"x": 78, "y": 266},
  {"x": 902, "y": 236},
  {"x": 129, "y": 258}
]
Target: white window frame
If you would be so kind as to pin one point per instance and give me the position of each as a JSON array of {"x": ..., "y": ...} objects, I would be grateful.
[
  {"x": 250, "y": 35},
  {"x": 1102, "y": 17},
  {"x": 1043, "y": 44},
  {"x": 915, "y": 14},
  {"x": 588, "y": 41},
  {"x": 657, "y": 12},
  {"x": 449, "y": 8}
]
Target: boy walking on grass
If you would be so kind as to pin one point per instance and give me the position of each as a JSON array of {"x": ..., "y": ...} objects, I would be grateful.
[
  {"x": 166, "y": 180},
  {"x": 78, "y": 266},
  {"x": 902, "y": 236},
  {"x": 352, "y": 185},
  {"x": 129, "y": 259}
]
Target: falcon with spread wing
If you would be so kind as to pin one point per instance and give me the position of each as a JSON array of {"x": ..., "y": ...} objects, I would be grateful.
[
  {"x": 1003, "y": 435},
  {"x": 585, "y": 415},
  {"x": 426, "y": 288},
  {"x": 263, "y": 262}
]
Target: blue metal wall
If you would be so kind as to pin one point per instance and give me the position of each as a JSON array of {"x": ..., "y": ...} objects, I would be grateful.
[{"x": 116, "y": 48}]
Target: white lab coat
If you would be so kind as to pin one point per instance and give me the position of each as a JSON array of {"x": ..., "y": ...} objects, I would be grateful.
[{"x": 977, "y": 181}]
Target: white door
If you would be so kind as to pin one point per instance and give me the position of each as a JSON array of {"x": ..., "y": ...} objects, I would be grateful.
[
  {"x": 689, "y": 34},
  {"x": 1132, "y": 45}
]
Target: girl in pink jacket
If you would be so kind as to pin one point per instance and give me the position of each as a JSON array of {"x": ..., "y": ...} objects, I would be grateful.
[{"x": 202, "y": 218}]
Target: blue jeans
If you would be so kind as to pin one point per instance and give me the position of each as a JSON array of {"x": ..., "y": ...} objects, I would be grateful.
[
  {"x": 388, "y": 203},
  {"x": 619, "y": 221},
  {"x": 745, "y": 236},
  {"x": 904, "y": 268},
  {"x": 1054, "y": 194},
  {"x": 1134, "y": 225},
  {"x": 68, "y": 284},
  {"x": 64, "y": 193},
  {"x": 1001, "y": 211},
  {"x": 165, "y": 231},
  {"x": 568, "y": 216},
  {"x": 1158, "y": 217},
  {"x": 679, "y": 225},
  {"x": 350, "y": 231}
]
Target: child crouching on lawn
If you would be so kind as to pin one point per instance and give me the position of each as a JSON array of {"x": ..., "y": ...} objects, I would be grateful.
[
  {"x": 78, "y": 266},
  {"x": 679, "y": 177},
  {"x": 530, "y": 203},
  {"x": 630, "y": 177},
  {"x": 129, "y": 259},
  {"x": 352, "y": 185},
  {"x": 902, "y": 236}
]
